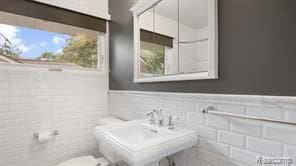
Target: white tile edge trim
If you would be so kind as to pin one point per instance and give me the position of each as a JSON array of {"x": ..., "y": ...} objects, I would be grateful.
[{"x": 255, "y": 100}]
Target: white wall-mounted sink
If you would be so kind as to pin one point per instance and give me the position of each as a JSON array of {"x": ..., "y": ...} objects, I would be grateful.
[{"x": 139, "y": 143}]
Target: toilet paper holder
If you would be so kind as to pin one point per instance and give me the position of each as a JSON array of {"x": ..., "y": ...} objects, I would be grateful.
[{"x": 54, "y": 133}]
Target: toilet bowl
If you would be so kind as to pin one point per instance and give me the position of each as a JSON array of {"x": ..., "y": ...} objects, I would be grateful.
[{"x": 90, "y": 160}]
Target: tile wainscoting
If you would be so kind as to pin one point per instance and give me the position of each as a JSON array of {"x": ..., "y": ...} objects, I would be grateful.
[
  {"x": 223, "y": 141},
  {"x": 33, "y": 99}
]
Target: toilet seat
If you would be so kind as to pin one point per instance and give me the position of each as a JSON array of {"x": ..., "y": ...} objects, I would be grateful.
[{"x": 85, "y": 161}]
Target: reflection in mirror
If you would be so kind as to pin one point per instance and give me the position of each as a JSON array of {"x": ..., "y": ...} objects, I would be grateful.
[
  {"x": 159, "y": 40},
  {"x": 193, "y": 34},
  {"x": 166, "y": 23},
  {"x": 151, "y": 59},
  {"x": 151, "y": 54}
]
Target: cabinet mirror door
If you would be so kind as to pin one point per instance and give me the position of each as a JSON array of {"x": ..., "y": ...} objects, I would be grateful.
[
  {"x": 158, "y": 55},
  {"x": 194, "y": 36}
]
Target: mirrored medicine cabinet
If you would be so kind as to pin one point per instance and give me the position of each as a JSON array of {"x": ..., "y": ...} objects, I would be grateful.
[{"x": 175, "y": 40}]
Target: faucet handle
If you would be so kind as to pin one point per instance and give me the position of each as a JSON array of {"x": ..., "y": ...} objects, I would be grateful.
[
  {"x": 171, "y": 123},
  {"x": 150, "y": 117}
]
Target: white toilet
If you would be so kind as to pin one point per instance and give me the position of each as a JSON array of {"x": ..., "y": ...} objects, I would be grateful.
[{"x": 90, "y": 160}]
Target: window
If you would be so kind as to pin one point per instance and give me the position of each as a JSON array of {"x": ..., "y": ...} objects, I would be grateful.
[{"x": 25, "y": 40}]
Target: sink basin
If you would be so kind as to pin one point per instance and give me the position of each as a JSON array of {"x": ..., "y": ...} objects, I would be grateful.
[{"x": 139, "y": 143}]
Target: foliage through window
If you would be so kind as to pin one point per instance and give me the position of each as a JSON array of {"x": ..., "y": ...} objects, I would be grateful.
[
  {"x": 152, "y": 59},
  {"x": 48, "y": 43}
]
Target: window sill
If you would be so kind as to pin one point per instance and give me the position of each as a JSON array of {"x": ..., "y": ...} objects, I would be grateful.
[{"x": 32, "y": 67}]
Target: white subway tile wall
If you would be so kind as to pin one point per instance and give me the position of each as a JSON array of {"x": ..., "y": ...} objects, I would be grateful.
[
  {"x": 37, "y": 100},
  {"x": 222, "y": 141}
]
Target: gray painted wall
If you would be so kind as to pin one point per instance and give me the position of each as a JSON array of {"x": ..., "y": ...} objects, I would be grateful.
[{"x": 257, "y": 50}]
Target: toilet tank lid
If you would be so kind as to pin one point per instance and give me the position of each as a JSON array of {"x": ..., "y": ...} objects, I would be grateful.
[{"x": 108, "y": 120}]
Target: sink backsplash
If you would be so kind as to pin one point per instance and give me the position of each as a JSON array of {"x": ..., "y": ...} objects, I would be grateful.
[{"x": 223, "y": 141}]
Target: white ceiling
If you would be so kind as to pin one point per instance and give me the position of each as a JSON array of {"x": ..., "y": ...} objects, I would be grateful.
[{"x": 193, "y": 13}]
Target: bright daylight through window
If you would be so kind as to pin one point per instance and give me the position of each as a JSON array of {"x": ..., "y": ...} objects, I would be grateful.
[{"x": 30, "y": 41}]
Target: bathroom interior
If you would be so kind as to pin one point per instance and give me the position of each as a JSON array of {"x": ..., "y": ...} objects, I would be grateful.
[{"x": 147, "y": 83}]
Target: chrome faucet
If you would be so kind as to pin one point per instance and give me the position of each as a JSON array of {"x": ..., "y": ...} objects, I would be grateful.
[
  {"x": 160, "y": 120},
  {"x": 150, "y": 117}
]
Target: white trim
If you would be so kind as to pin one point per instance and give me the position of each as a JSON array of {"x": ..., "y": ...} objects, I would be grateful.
[
  {"x": 103, "y": 57},
  {"x": 280, "y": 102},
  {"x": 136, "y": 47},
  {"x": 212, "y": 73},
  {"x": 213, "y": 38},
  {"x": 37, "y": 67},
  {"x": 32, "y": 67},
  {"x": 179, "y": 77},
  {"x": 143, "y": 5},
  {"x": 106, "y": 69}
]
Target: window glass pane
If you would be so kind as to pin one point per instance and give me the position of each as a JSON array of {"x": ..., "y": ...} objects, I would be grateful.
[{"x": 38, "y": 42}]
